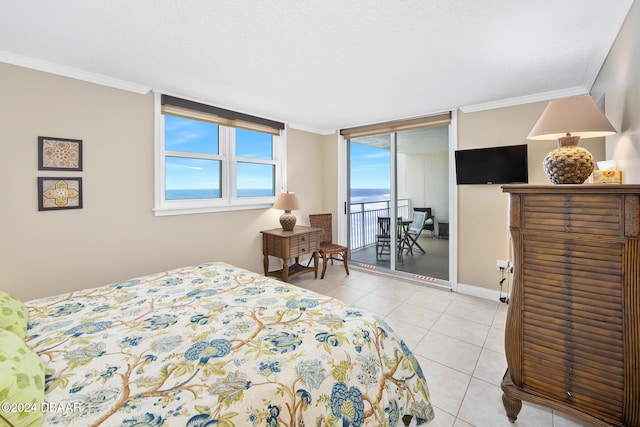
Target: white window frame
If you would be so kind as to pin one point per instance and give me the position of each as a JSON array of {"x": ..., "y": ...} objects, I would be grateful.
[{"x": 228, "y": 186}]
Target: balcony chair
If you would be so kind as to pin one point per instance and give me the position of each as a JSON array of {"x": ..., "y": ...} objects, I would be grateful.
[
  {"x": 383, "y": 238},
  {"x": 328, "y": 249},
  {"x": 414, "y": 231},
  {"x": 429, "y": 223}
]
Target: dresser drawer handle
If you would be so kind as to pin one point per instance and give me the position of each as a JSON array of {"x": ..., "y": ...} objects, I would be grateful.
[
  {"x": 569, "y": 395},
  {"x": 303, "y": 238}
]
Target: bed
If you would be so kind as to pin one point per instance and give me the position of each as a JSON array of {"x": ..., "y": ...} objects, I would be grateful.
[{"x": 213, "y": 344}]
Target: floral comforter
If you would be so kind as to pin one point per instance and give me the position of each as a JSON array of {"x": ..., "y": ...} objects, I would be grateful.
[{"x": 213, "y": 344}]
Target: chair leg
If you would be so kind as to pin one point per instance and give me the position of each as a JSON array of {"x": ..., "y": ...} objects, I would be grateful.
[
  {"x": 345, "y": 257},
  {"x": 324, "y": 265},
  {"x": 414, "y": 242}
]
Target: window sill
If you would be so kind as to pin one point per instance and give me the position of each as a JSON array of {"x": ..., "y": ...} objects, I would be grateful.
[{"x": 167, "y": 211}]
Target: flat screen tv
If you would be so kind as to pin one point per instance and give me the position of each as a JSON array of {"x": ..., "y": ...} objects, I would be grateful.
[{"x": 495, "y": 165}]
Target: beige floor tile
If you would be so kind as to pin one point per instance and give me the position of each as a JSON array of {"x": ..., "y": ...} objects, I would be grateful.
[
  {"x": 447, "y": 386},
  {"x": 491, "y": 366},
  {"x": 410, "y": 334},
  {"x": 460, "y": 423},
  {"x": 495, "y": 340},
  {"x": 415, "y": 315},
  {"x": 395, "y": 292},
  {"x": 442, "y": 419},
  {"x": 500, "y": 320},
  {"x": 482, "y": 407},
  {"x": 346, "y": 294},
  {"x": 432, "y": 299},
  {"x": 452, "y": 352},
  {"x": 468, "y": 309},
  {"x": 365, "y": 284},
  {"x": 378, "y": 304},
  {"x": 465, "y": 330}
]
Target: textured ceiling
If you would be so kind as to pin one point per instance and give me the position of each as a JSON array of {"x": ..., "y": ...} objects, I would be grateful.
[{"x": 321, "y": 65}]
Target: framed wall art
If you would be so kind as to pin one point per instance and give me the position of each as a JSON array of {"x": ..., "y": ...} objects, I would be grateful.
[
  {"x": 60, "y": 154},
  {"x": 59, "y": 193}
]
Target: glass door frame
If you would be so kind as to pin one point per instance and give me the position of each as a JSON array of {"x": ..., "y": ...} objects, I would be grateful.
[{"x": 343, "y": 206}]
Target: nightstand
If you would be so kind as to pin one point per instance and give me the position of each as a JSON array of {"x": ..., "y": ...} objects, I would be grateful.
[{"x": 290, "y": 244}]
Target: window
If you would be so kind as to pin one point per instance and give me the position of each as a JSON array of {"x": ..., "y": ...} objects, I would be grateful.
[{"x": 209, "y": 159}]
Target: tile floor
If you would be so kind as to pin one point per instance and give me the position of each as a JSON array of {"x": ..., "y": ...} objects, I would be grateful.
[{"x": 458, "y": 339}]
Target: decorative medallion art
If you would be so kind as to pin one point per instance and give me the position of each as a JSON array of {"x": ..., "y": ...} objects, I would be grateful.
[
  {"x": 59, "y": 193},
  {"x": 59, "y": 154}
]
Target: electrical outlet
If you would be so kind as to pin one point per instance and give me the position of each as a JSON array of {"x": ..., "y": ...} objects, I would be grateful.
[{"x": 502, "y": 265}]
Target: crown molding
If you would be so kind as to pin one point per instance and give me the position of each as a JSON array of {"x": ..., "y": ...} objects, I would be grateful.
[
  {"x": 61, "y": 70},
  {"x": 528, "y": 99}
]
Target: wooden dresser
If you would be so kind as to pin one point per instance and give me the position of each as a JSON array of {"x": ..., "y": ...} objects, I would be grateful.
[
  {"x": 290, "y": 244},
  {"x": 572, "y": 336}
]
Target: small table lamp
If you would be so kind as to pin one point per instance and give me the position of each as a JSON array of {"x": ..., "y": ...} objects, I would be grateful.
[
  {"x": 287, "y": 202},
  {"x": 567, "y": 120}
]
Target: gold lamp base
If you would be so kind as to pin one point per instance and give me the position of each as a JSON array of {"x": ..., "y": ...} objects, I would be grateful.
[{"x": 568, "y": 164}]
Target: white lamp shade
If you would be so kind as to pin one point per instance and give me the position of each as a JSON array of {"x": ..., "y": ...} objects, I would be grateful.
[{"x": 577, "y": 116}]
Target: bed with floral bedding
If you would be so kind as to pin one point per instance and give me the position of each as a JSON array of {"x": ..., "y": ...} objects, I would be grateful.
[{"x": 213, "y": 344}]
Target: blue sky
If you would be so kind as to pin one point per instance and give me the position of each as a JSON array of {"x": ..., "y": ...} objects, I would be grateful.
[
  {"x": 201, "y": 137},
  {"x": 370, "y": 166}
]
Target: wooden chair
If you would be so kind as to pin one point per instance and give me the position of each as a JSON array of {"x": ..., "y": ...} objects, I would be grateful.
[
  {"x": 328, "y": 249},
  {"x": 383, "y": 238}
]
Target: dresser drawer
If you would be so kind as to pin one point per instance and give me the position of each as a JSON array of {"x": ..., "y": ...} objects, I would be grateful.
[{"x": 594, "y": 214}]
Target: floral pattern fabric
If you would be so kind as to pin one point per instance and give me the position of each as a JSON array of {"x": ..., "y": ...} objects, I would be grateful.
[{"x": 213, "y": 344}]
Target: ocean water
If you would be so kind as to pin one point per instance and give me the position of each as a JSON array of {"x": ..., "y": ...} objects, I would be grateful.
[
  {"x": 369, "y": 199},
  {"x": 188, "y": 194},
  {"x": 367, "y": 204},
  {"x": 358, "y": 195}
]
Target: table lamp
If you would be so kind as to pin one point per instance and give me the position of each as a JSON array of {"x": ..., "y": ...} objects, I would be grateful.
[
  {"x": 567, "y": 120},
  {"x": 287, "y": 202}
]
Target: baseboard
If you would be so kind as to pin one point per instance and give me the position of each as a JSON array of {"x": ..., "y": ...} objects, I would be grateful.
[{"x": 479, "y": 292}]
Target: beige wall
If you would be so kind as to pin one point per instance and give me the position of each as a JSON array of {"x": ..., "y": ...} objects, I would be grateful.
[
  {"x": 619, "y": 82},
  {"x": 115, "y": 236},
  {"x": 482, "y": 231},
  {"x": 327, "y": 185}
]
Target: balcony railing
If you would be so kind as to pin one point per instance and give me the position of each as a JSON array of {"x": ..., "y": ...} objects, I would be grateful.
[{"x": 363, "y": 220}]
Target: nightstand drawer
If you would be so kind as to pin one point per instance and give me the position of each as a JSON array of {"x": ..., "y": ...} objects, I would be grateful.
[{"x": 303, "y": 244}]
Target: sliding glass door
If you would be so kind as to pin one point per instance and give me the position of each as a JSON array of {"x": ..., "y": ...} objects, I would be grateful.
[
  {"x": 399, "y": 202},
  {"x": 370, "y": 200}
]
